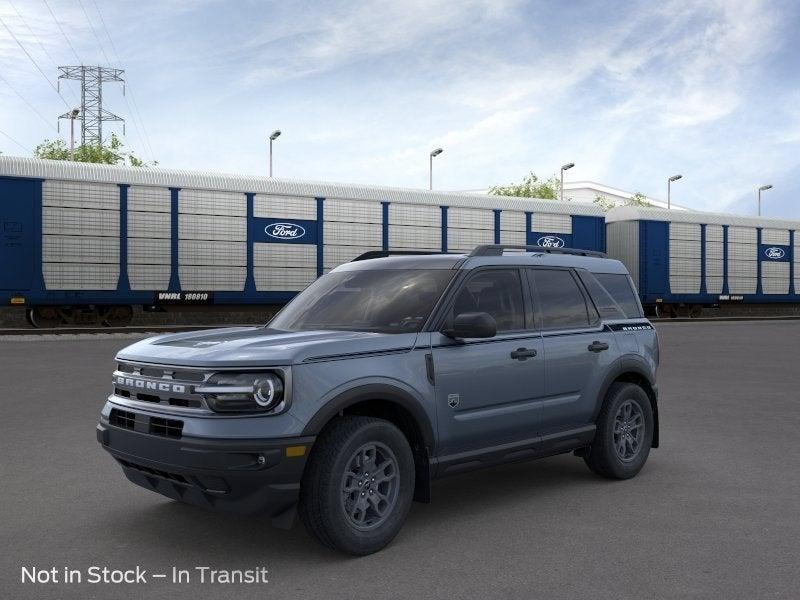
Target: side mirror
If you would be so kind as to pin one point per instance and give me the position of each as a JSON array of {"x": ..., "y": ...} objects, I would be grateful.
[{"x": 472, "y": 325}]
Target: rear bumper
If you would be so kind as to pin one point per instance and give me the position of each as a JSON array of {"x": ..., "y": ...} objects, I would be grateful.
[{"x": 254, "y": 477}]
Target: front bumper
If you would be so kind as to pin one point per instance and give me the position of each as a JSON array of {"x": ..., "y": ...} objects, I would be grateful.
[{"x": 255, "y": 477}]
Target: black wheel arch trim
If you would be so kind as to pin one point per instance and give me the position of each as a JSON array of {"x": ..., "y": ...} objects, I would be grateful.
[
  {"x": 373, "y": 391},
  {"x": 636, "y": 366}
]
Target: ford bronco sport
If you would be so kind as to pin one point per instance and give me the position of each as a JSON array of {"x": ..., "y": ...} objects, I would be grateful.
[{"x": 385, "y": 374}]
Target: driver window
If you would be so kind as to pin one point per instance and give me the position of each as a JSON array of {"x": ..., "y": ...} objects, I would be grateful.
[{"x": 497, "y": 292}]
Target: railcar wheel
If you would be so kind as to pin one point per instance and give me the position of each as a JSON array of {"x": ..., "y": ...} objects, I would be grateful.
[
  {"x": 118, "y": 316},
  {"x": 43, "y": 317},
  {"x": 695, "y": 311}
]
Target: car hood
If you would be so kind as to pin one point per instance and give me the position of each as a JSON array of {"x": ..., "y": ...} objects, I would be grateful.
[{"x": 260, "y": 346}]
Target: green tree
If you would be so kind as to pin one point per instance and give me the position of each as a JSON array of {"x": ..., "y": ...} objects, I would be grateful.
[
  {"x": 110, "y": 153},
  {"x": 638, "y": 199},
  {"x": 531, "y": 187}
]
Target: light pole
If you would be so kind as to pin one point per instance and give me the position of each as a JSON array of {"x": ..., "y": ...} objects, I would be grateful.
[
  {"x": 565, "y": 167},
  {"x": 272, "y": 138},
  {"x": 435, "y": 152},
  {"x": 763, "y": 188},
  {"x": 669, "y": 189},
  {"x": 73, "y": 114}
]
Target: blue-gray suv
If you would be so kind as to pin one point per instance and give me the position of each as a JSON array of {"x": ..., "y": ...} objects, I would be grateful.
[{"x": 385, "y": 374}]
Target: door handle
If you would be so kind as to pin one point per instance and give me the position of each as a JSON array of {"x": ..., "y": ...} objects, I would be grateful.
[
  {"x": 597, "y": 346},
  {"x": 523, "y": 353}
]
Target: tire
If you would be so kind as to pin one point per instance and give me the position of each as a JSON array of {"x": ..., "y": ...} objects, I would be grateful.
[
  {"x": 620, "y": 457},
  {"x": 334, "y": 499}
]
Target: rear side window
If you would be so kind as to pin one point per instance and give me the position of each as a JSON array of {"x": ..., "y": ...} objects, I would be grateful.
[
  {"x": 605, "y": 304},
  {"x": 620, "y": 287},
  {"x": 497, "y": 292},
  {"x": 561, "y": 302}
]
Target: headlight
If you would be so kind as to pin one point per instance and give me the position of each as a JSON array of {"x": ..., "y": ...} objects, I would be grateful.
[{"x": 243, "y": 392}]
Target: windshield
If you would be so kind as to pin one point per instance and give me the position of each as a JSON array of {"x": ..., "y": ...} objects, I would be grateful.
[{"x": 388, "y": 301}]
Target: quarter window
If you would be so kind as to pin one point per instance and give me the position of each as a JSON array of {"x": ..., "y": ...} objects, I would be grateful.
[
  {"x": 620, "y": 287},
  {"x": 497, "y": 292},
  {"x": 561, "y": 302}
]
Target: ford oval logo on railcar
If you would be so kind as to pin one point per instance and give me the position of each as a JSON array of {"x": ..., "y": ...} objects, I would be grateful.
[
  {"x": 285, "y": 231},
  {"x": 550, "y": 241},
  {"x": 774, "y": 253}
]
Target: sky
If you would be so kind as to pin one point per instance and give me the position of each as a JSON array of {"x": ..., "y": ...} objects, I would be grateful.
[{"x": 631, "y": 92}]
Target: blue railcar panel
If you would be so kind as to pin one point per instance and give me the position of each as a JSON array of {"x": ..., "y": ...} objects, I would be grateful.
[
  {"x": 588, "y": 233},
  {"x": 19, "y": 231},
  {"x": 283, "y": 231},
  {"x": 653, "y": 260}
]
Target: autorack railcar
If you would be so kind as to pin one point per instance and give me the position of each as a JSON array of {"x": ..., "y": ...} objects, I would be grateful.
[
  {"x": 682, "y": 261},
  {"x": 93, "y": 241}
]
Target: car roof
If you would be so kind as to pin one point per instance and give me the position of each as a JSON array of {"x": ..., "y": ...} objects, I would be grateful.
[{"x": 595, "y": 264}]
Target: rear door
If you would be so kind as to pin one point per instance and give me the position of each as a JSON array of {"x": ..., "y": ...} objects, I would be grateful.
[
  {"x": 17, "y": 233},
  {"x": 487, "y": 390},
  {"x": 577, "y": 349}
]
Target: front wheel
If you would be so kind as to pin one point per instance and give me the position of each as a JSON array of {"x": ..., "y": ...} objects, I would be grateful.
[
  {"x": 358, "y": 485},
  {"x": 624, "y": 433}
]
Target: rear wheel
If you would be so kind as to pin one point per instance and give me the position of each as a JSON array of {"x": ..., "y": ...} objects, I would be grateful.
[
  {"x": 624, "y": 433},
  {"x": 358, "y": 485}
]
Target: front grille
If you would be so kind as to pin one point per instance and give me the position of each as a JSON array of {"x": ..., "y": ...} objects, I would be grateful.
[
  {"x": 151, "y": 471},
  {"x": 171, "y": 428},
  {"x": 122, "y": 418},
  {"x": 166, "y": 386}
]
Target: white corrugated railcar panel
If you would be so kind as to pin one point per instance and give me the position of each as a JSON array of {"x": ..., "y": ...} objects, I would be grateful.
[
  {"x": 743, "y": 268},
  {"x": 412, "y": 236},
  {"x": 775, "y": 277},
  {"x": 285, "y": 207},
  {"x": 775, "y": 236},
  {"x": 80, "y": 194},
  {"x": 149, "y": 225},
  {"x": 714, "y": 285},
  {"x": 714, "y": 233},
  {"x": 149, "y": 277},
  {"x": 742, "y": 252},
  {"x": 352, "y": 211},
  {"x": 742, "y": 235},
  {"x": 80, "y": 248},
  {"x": 464, "y": 240},
  {"x": 149, "y": 251},
  {"x": 623, "y": 244},
  {"x": 415, "y": 214},
  {"x": 272, "y": 279},
  {"x": 684, "y": 266},
  {"x": 470, "y": 218},
  {"x": 714, "y": 267},
  {"x": 149, "y": 199},
  {"x": 742, "y": 285},
  {"x": 197, "y": 278},
  {"x": 550, "y": 223},
  {"x": 513, "y": 237},
  {"x": 80, "y": 276},
  {"x": 684, "y": 284},
  {"x": 77, "y": 221},
  {"x": 210, "y": 202},
  {"x": 202, "y": 252},
  {"x": 684, "y": 231},
  {"x": 333, "y": 256},
  {"x": 715, "y": 249},
  {"x": 209, "y": 227},
  {"x": 353, "y": 234},
  {"x": 512, "y": 220},
  {"x": 684, "y": 248},
  {"x": 285, "y": 255}
]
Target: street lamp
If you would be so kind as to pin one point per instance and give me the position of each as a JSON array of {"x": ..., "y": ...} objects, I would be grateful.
[
  {"x": 73, "y": 114},
  {"x": 669, "y": 189},
  {"x": 763, "y": 188},
  {"x": 435, "y": 152},
  {"x": 564, "y": 168},
  {"x": 272, "y": 138}
]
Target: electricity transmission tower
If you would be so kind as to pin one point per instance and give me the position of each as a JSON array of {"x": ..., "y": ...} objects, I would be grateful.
[{"x": 92, "y": 113}]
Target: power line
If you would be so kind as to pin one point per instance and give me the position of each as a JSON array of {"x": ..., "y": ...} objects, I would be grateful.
[
  {"x": 63, "y": 33},
  {"x": 35, "y": 64},
  {"x": 96, "y": 37},
  {"x": 38, "y": 41},
  {"x": 135, "y": 114},
  {"x": 31, "y": 106},
  {"x": 16, "y": 142}
]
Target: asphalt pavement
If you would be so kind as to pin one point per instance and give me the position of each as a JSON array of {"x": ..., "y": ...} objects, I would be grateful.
[{"x": 714, "y": 514}]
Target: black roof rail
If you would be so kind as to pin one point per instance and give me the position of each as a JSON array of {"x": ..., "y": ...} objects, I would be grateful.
[
  {"x": 386, "y": 253},
  {"x": 498, "y": 249}
]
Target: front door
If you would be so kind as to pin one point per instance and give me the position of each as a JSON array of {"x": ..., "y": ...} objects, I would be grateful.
[{"x": 487, "y": 390}]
